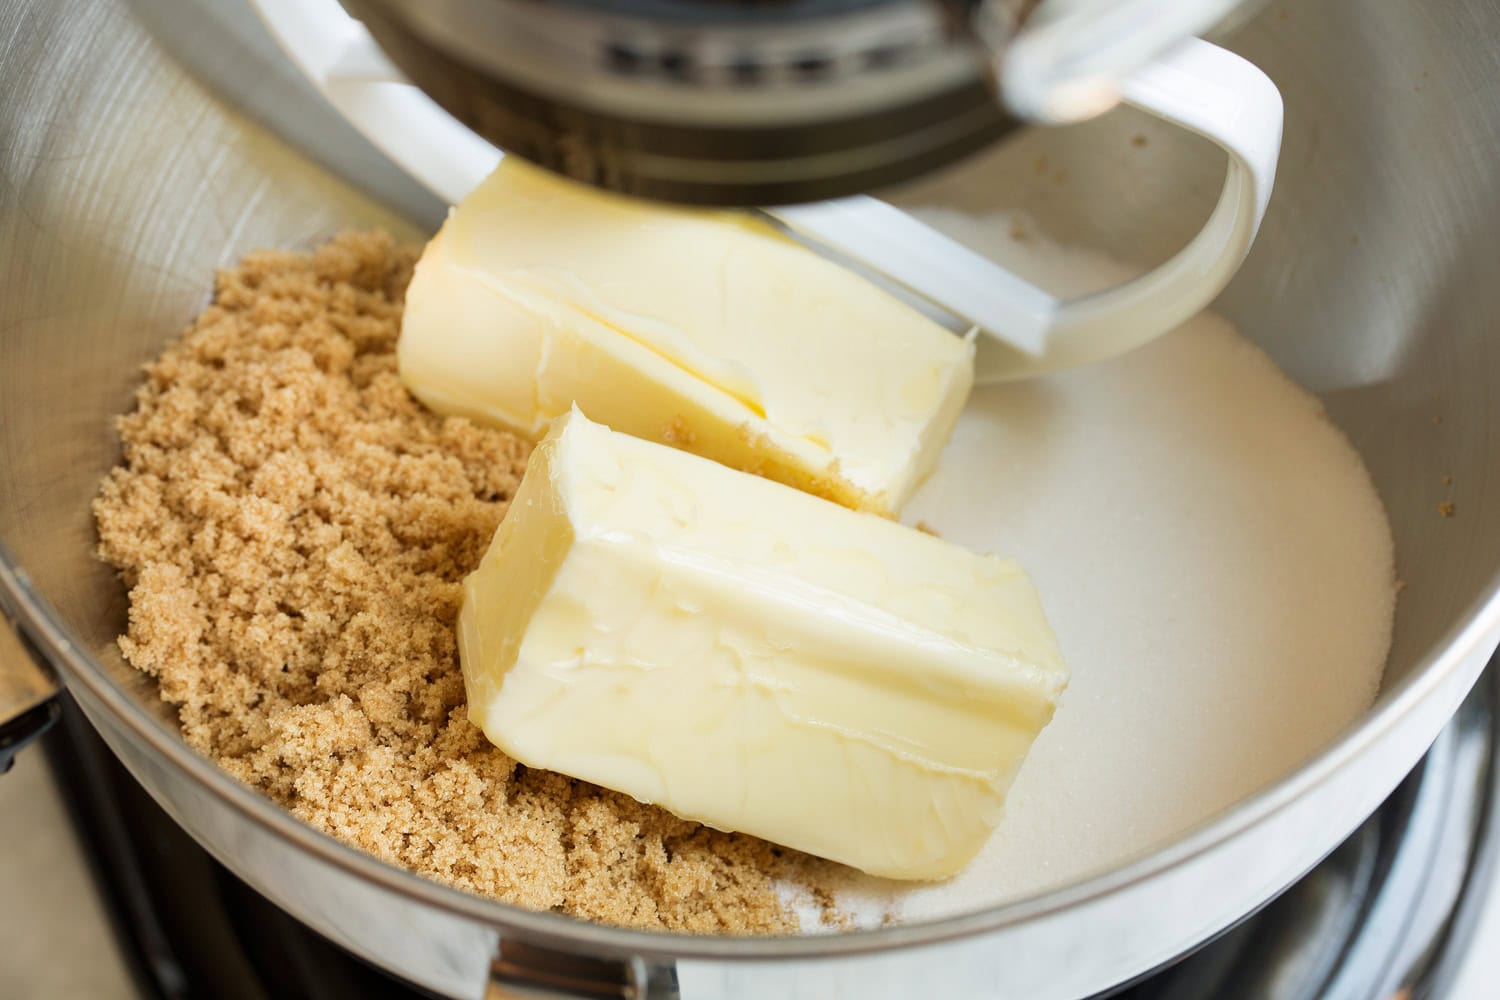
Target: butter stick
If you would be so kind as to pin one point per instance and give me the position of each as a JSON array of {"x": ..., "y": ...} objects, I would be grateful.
[
  {"x": 755, "y": 658},
  {"x": 709, "y": 331}
]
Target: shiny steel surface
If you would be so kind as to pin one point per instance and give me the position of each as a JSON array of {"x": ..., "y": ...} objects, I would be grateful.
[
  {"x": 130, "y": 165},
  {"x": 1394, "y": 910},
  {"x": 27, "y": 687}
]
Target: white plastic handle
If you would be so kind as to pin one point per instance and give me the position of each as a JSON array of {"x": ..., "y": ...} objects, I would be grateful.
[
  {"x": 341, "y": 59},
  {"x": 1217, "y": 94},
  {"x": 1198, "y": 86}
]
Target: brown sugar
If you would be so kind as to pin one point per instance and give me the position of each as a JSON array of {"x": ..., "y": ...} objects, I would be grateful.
[{"x": 294, "y": 529}]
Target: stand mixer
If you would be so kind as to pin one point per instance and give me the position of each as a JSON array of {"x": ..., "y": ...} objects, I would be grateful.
[{"x": 141, "y": 158}]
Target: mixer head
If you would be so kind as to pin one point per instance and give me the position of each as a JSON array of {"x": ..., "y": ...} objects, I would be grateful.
[{"x": 757, "y": 101}]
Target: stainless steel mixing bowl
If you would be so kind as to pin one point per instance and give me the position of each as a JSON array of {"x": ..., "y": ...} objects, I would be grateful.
[{"x": 131, "y": 161}]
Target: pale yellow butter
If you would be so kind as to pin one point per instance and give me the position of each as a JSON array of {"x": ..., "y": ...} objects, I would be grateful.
[
  {"x": 707, "y": 330},
  {"x": 753, "y": 657}
]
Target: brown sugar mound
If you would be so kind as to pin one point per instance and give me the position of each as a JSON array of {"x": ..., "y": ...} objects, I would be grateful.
[{"x": 294, "y": 529}]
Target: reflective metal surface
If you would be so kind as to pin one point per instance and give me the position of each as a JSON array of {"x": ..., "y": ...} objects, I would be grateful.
[
  {"x": 1393, "y": 910},
  {"x": 707, "y": 103},
  {"x": 27, "y": 690},
  {"x": 130, "y": 165}
]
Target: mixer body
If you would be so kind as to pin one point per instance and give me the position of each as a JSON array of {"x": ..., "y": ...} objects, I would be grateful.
[
  {"x": 768, "y": 102},
  {"x": 759, "y": 103}
]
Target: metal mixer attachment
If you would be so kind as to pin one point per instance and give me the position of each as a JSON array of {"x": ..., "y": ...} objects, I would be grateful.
[{"x": 768, "y": 103}]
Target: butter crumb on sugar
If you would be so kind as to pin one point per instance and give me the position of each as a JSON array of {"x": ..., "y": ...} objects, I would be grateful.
[{"x": 294, "y": 529}]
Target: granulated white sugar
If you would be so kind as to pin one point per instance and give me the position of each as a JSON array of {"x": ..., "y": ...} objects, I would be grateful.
[{"x": 1216, "y": 564}]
